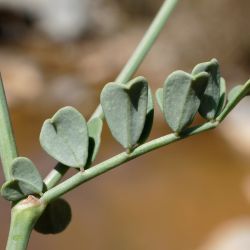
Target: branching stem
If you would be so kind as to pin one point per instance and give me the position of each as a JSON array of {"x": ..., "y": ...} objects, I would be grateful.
[{"x": 119, "y": 159}]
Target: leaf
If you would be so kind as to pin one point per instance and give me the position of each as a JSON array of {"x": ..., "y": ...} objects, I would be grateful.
[
  {"x": 95, "y": 131},
  {"x": 55, "y": 218},
  {"x": 223, "y": 99},
  {"x": 210, "y": 101},
  {"x": 149, "y": 119},
  {"x": 26, "y": 180},
  {"x": 159, "y": 98},
  {"x": 125, "y": 108},
  {"x": 24, "y": 171},
  {"x": 181, "y": 98},
  {"x": 65, "y": 137}
]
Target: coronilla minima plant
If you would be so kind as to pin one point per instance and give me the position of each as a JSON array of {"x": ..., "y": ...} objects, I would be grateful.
[{"x": 127, "y": 104}]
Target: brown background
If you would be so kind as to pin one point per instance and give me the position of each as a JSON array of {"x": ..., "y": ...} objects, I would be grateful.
[{"x": 174, "y": 198}]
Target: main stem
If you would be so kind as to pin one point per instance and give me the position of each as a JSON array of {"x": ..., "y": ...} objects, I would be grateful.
[
  {"x": 8, "y": 149},
  {"x": 23, "y": 218}
]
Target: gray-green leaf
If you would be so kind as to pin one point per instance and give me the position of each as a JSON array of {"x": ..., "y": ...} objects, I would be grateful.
[
  {"x": 181, "y": 98},
  {"x": 125, "y": 108},
  {"x": 26, "y": 180},
  {"x": 25, "y": 172},
  {"x": 65, "y": 137},
  {"x": 95, "y": 131},
  {"x": 55, "y": 218},
  {"x": 210, "y": 101}
]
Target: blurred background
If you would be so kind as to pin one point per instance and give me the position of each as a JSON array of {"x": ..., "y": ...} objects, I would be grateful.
[{"x": 192, "y": 195}]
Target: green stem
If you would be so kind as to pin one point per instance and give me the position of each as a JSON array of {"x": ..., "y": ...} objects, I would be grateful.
[
  {"x": 130, "y": 68},
  {"x": 117, "y": 160},
  {"x": 245, "y": 90},
  {"x": 23, "y": 218},
  {"x": 8, "y": 149},
  {"x": 55, "y": 175}
]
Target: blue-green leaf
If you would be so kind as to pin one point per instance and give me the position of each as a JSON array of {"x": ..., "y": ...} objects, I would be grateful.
[
  {"x": 125, "y": 108},
  {"x": 26, "y": 180},
  {"x": 181, "y": 98},
  {"x": 65, "y": 137},
  {"x": 210, "y": 101}
]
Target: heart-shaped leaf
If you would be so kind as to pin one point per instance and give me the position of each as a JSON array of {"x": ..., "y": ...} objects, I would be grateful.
[
  {"x": 210, "y": 101},
  {"x": 159, "y": 98},
  {"x": 149, "y": 119},
  {"x": 65, "y": 137},
  {"x": 125, "y": 108},
  {"x": 55, "y": 218},
  {"x": 181, "y": 98},
  {"x": 95, "y": 131},
  {"x": 26, "y": 180},
  {"x": 223, "y": 98}
]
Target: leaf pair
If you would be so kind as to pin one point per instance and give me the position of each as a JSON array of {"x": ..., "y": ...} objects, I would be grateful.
[
  {"x": 69, "y": 139},
  {"x": 26, "y": 180},
  {"x": 128, "y": 110},
  {"x": 184, "y": 94}
]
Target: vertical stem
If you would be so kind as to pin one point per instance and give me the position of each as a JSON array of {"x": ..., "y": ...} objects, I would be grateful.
[
  {"x": 144, "y": 46},
  {"x": 23, "y": 218},
  {"x": 8, "y": 149}
]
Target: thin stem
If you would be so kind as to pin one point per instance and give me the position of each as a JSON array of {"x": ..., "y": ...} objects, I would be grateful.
[
  {"x": 245, "y": 90},
  {"x": 55, "y": 175},
  {"x": 129, "y": 69},
  {"x": 144, "y": 46},
  {"x": 8, "y": 149},
  {"x": 119, "y": 159}
]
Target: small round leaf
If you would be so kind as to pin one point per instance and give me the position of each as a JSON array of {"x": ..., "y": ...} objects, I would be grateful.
[
  {"x": 125, "y": 109},
  {"x": 55, "y": 218},
  {"x": 65, "y": 137},
  {"x": 25, "y": 172}
]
